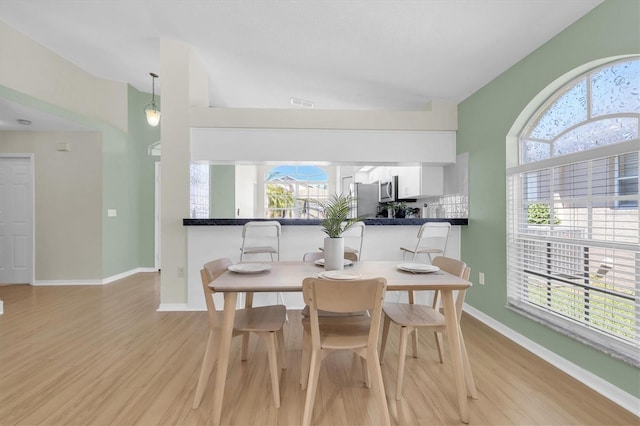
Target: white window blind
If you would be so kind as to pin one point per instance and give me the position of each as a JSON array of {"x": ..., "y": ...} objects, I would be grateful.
[
  {"x": 573, "y": 256},
  {"x": 573, "y": 232}
]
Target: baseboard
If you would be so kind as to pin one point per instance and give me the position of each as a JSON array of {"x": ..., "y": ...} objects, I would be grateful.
[
  {"x": 604, "y": 388},
  {"x": 93, "y": 282}
]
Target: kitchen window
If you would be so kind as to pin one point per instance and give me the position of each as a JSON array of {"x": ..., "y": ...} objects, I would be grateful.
[
  {"x": 573, "y": 255},
  {"x": 295, "y": 191},
  {"x": 199, "y": 191}
]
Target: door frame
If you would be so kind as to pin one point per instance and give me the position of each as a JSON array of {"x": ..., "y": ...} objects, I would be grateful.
[
  {"x": 32, "y": 189},
  {"x": 156, "y": 215}
]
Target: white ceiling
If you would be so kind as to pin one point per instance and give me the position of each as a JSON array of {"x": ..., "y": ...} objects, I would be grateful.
[
  {"x": 358, "y": 54},
  {"x": 41, "y": 121}
]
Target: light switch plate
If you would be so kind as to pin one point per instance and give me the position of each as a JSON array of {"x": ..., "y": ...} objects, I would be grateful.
[{"x": 112, "y": 212}]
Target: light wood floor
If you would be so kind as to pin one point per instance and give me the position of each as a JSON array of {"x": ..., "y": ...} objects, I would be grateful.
[{"x": 103, "y": 355}]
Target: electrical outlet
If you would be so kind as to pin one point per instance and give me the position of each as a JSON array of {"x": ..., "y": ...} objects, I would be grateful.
[
  {"x": 180, "y": 272},
  {"x": 481, "y": 278}
]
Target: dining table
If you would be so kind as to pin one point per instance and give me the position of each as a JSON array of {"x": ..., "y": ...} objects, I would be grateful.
[{"x": 287, "y": 276}]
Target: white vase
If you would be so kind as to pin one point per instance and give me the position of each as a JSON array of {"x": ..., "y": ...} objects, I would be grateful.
[{"x": 333, "y": 254}]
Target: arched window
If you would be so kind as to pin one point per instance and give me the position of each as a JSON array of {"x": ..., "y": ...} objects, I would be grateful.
[
  {"x": 295, "y": 191},
  {"x": 573, "y": 236}
]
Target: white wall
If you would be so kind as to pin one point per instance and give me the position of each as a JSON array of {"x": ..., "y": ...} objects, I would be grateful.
[
  {"x": 186, "y": 107},
  {"x": 181, "y": 79},
  {"x": 438, "y": 116},
  {"x": 365, "y": 146}
]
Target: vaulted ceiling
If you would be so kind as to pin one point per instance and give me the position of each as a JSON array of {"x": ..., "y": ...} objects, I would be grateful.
[{"x": 359, "y": 54}]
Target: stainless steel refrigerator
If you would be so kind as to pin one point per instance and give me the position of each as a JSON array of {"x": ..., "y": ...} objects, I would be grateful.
[{"x": 366, "y": 199}]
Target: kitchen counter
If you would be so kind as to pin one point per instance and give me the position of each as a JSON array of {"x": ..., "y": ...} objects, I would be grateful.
[
  {"x": 316, "y": 222},
  {"x": 209, "y": 239}
]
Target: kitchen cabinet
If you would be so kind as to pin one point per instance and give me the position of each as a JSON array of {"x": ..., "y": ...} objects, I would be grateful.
[
  {"x": 381, "y": 174},
  {"x": 420, "y": 181}
]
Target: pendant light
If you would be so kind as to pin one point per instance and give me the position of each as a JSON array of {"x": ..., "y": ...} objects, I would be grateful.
[{"x": 152, "y": 111}]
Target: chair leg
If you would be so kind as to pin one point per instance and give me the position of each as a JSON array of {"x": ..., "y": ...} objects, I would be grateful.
[
  {"x": 373, "y": 363},
  {"x": 414, "y": 334},
  {"x": 305, "y": 360},
  {"x": 367, "y": 375},
  {"x": 402, "y": 353},
  {"x": 385, "y": 334},
  {"x": 314, "y": 374},
  {"x": 280, "y": 301},
  {"x": 245, "y": 346},
  {"x": 273, "y": 367},
  {"x": 282, "y": 350},
  {"x": 414, "y": 341},
  {"x": 208, "y": 360},
  {"x": 468, "y": 374},
  {"x": 439, "y": 345}
]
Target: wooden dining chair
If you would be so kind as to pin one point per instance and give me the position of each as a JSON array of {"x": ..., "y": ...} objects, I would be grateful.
[
  {"x": 355, "y": 333},
  {"x": 267, "y": 321},
  {"x": 411, "y": 317},
  {"x": 306, "y": 338}
]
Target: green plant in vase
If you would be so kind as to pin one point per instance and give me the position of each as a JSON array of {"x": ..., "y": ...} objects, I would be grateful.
[
  {"x": 336, "y": 212},
  {"x": 400, "y": 209},
  {"x": 336, "y": 220}
]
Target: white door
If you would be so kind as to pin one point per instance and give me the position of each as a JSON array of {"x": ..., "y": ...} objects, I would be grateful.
[{"x": 16, "y": 220}]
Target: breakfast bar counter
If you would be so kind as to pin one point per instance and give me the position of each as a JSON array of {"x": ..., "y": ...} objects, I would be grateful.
[
  {"x": 209, "y": 239},
  {"x": 378, "y": 221}
]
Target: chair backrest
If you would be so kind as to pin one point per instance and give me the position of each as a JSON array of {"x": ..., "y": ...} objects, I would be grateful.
[
  {"x": 460, "y": 299},
  {"x": 312, "y": 256},
  {"x": 356, "y": 232},
  {"x": 209, "y": 272},
  {"x": 263, "y": 228},
  {"x": 434, "y": 235},
  {"x": 351, "y": 256},
  {"x": 450, "y": 265},
  {"x": 457, "y": 268},
  {"x": 343, "y": 297}
]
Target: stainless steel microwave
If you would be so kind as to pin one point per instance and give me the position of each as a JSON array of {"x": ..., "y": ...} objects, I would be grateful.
[{"x": 389, "y": 190}]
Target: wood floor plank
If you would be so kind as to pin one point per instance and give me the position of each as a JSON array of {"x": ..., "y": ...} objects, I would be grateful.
[{"x": 100, "y": 355}]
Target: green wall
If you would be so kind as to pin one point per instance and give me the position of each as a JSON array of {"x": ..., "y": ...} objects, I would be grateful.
[
  {"x": 222, "y": 191},
  {"x": 128, "y": 187},
  {"x": 119, "y": 186},
  {"x": 141, "y": 135},
  {"x": 485, "y": 119}
]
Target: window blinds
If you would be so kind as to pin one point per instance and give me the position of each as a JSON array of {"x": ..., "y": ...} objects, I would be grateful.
[{"x": 574, "y": 248}]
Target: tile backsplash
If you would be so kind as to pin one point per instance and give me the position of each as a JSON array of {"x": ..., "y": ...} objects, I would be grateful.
[{"x": 450, "y": 206}]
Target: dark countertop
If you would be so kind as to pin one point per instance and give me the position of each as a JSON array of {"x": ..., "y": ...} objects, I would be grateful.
[{"x": 299, "y": 222}]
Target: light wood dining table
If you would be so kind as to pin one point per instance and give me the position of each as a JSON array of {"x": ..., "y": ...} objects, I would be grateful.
[{"x": 288, "y": 277}]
